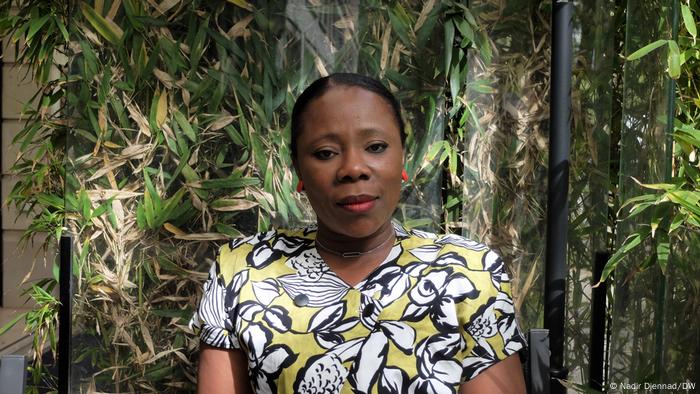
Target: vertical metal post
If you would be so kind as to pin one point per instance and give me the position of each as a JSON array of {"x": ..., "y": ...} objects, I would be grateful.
[
  {"x": 65, "y": 279},
  {"x": 2, "y": 231},
  {"x": 558, "y": 188},
  {"x": 13, "y": 374},
  {"x": 538, "y": 376},
  {"x": 596, "y": 372}
]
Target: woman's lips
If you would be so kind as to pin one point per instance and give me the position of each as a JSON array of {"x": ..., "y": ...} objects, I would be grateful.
[{"x": 357, "y": 204}]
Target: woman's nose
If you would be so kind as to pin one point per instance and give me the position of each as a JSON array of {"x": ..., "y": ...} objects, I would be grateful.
[{"x": 353, "y": 167}]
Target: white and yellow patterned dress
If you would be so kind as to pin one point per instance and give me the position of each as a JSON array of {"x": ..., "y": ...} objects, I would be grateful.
[{"x": 434, "y": 314}]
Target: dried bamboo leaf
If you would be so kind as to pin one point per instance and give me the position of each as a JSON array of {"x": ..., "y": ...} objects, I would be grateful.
[
  {"x": 162, "y": 110},
  {"x": 138, "y": 117},
  {"x": 112, "y": 145},
  {"x": 135, "y": 151},
  {"x": 385, "y": 49},
  {"x": 161, "y": 355},
  {"x": 167, "y": 80},
  {"x": 222, "y": 122},
  {"x": 113, "y": 9},
  {"x": 147, "y": 337},
  {"x": 230, "y": 205},
  {"x": 240, "y": 28},
  {"x": 174, "y": 229},
  {"x": 345, "y": 23},
  {"x": 429, "y": 5},
  {"x": 320, "y": 67},
  {"x": 106, "y": 194},
  {"x": 203, "y": 237}
]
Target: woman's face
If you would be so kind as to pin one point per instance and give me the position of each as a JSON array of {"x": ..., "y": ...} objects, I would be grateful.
[{"x": 350, "y": 159}]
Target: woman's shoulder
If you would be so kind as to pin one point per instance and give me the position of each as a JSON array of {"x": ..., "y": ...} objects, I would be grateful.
[
  {"x": 260, "y": 249},
  {"x": 267, "y": 238},
  {"x": 454, "y": 250}
]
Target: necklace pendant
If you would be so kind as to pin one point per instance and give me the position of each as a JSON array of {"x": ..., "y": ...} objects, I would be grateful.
[{"x": 348, "y": 255}]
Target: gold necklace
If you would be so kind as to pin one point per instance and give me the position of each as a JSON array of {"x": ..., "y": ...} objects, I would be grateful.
[{"x": 349, "y": 255}]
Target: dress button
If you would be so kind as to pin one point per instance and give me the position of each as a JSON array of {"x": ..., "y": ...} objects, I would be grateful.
[
  {"x": 301, "y": 300},
  {"x": 369, "y": 309}
]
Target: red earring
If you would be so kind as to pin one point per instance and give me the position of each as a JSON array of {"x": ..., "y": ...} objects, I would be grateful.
[
  {"x": 300, "y": 186},
  {"x": 404, "y": 175}
]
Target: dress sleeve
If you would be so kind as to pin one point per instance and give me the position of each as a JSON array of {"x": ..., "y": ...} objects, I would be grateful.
[
  {"x": 215, "y": 318},
  {"x": 490, "y": 331}
]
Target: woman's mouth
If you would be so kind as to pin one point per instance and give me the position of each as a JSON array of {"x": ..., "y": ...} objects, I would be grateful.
[{"x": 357, "y": 204}]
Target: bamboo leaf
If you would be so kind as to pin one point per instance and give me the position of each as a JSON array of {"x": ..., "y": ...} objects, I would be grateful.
[
  {"x": 106, "y": 27},
  {"x": 232, "y": 204},
  {"x": 448, "y": 44},
  {"x": 222, "y": 122},
  {"x": 399, "y": 24},
  {"x": 35, "y": 25},
  {"x": 674, "y": 60},
  {"x": 655, "y": 186},
  {"x": 433, "y": 151},
  {"x": 242, "y": 3},
  {"x": 148, "y": 209},
  {"x": 663, "y": 250},
  {"x": 185, "y": 125},
  {"x": 5, "y": 328},
  {"x": 228, "y": 230},
  {"x": 203, "y": 237},
  {"x": 173, "y": 229},
  {"x": 643, "y": 51},
  {"x": 162, "y": 110},
  {"x": 688, "y": 20},
  {"x": 427, "y": 8},
  {"x": 229, "y": 183},
  {"x": 453, "y": 161},
  {"x": 631, "y": 242}
]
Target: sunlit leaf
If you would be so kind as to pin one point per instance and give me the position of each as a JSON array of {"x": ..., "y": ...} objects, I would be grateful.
[
  {"x": 674, "y": 59},
  {"x": 106, "y": 27},
  {"x": 689, "y": 21},
  {"x": 643, "y": 51}
]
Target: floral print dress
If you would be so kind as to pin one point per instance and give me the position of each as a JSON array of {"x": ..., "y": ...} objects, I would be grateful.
[{"x": 434, "y": 314}]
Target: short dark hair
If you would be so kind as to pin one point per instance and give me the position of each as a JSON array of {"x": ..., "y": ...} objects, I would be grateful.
[{"x": 322, "y": 85}]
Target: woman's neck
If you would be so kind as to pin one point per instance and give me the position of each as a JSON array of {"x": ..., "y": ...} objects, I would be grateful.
[{"x": 351, "y": 246}]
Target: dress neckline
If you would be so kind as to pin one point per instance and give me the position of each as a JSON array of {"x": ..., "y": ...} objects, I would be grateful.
[{"x": 400, "y": 234}]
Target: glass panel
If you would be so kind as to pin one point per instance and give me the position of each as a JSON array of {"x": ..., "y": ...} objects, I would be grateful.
[
  {"x": 589, "y": 177},
  {"x": 681, "y": 342},
  {"x": 506, "y": 158},
  {"x": 637, "y": 330}
]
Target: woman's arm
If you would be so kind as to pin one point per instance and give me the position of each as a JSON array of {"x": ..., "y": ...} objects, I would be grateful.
[
  {"x": 504, "y": 377},
  {"x": 222, "y": 371}
]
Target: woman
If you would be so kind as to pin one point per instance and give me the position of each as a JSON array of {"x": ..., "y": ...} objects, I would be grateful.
[{"x": 358, "y": 304}]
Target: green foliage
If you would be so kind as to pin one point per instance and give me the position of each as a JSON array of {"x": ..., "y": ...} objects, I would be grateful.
[{"x": 672, "y": 207}]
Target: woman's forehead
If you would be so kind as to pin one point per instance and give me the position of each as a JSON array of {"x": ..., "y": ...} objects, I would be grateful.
[{"x": 351, "y": 109}]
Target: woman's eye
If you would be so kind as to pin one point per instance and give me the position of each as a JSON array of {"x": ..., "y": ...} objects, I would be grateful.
[
  {"x": 324, "y": 154},
  {"x": 377, "y": 148}
]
